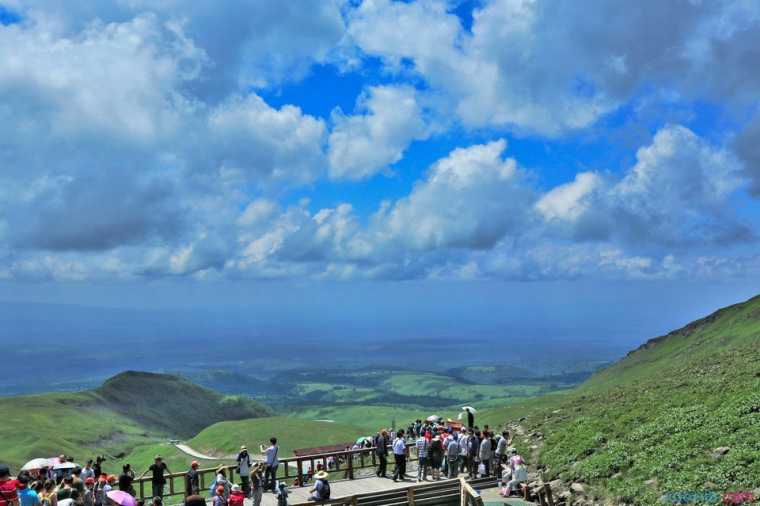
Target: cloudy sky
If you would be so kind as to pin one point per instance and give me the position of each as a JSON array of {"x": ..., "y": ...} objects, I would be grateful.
[{"x": 210, "y": 144}]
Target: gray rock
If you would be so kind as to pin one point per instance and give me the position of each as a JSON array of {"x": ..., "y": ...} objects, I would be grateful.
[
  {"x": 651, "y": 483},
  {"x": 578, "y": 488},
  {"x": 555, "y": 484},
  {"x": 719, "y": 452}
]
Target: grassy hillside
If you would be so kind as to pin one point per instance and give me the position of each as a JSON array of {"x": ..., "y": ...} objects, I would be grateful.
[
  {"x": 651, "y": 423},
  {"x": 225, "y": 438},
  {"x": 129, "y": 410},
  {"x": 173, "y": 405}
]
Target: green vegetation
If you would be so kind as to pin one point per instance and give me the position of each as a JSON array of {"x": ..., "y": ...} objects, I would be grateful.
[
  {"x": 225, "y": 438},
  {"x": 368, "y": 418},
  {"x": 651, "y": 423},
  {"x": 128, "y": 411}
]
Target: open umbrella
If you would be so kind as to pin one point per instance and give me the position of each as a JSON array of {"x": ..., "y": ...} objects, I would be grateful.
[
  {"x": 66, "y": 465},
  {"x": 35, "y": 465},
  {"x": 121, "y": 498},
  {"x": 434, "y": 418},
  {"x": 469, "y": 409},
  {"x": 361, "y": 440}
]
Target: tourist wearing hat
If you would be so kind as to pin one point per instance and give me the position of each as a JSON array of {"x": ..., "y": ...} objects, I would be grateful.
[
  {"x": 237, "y": 497},
  {"x": 192, "y": 480},
  {"x": 244, "y": 469},
  {"x": 219, "y": 498},
  {"x": 321, "y": 490},
  {"x": 157, "y": 469}
]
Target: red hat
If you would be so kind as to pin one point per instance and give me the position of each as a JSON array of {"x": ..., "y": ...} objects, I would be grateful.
[
  {"x": 89, "y": 481},
  {"x": 103, "y": 477}
]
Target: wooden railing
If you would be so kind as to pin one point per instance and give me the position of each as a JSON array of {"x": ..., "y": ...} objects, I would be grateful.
[
  {"x": 456, "y": 492},
  {"x": 347, "y": 462}
]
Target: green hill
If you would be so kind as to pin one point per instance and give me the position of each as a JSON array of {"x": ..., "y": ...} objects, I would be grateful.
[
  {"x": 129, "y": 410},
  {"x": 679, "y": 414},
  {"x": 225, "y": 438}
]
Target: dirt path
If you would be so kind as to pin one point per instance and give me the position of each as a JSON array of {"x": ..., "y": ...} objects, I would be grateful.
[{"x": 198, "y": 455}]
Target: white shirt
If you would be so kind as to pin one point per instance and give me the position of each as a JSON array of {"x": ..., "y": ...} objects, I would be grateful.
[
  {"x": 399, "y": 446},
  {"x": 271, "y": 455}
]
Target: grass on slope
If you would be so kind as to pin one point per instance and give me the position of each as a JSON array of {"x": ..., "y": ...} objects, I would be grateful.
[
  {"x": 173, "y": 404},
  {"x": 129, "y": 410},
  {"x": 368, "y": 418},
  {"x": 76, "y": 424},
  {"x": 659, "y": 414},
  {"x": 225, "y": 438}
]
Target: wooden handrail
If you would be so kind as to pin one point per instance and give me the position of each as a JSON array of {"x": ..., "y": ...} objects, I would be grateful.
[{"x": 283, "y": 471}]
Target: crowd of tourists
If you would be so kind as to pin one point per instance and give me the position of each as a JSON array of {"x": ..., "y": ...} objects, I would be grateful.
[{"x": 443, "y": 450}]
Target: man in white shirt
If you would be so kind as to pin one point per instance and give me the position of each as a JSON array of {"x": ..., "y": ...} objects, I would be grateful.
[
  {"x": 272, "y": 461},
  {"x": 399, "y": 454}
]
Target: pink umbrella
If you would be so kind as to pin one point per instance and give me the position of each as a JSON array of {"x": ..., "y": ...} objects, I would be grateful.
[{"x": 121, "y": 498}]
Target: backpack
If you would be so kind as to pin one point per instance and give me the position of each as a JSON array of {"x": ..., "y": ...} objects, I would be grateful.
[
  {"x": 325, "y": 495},
  {"x": 452, "y": 451}
]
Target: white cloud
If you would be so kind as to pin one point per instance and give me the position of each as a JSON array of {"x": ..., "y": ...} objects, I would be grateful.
[
  {"x": 551, "y": 67},
  {"x": 363, "y": 144},
  {"x": 470, "y": 199}
]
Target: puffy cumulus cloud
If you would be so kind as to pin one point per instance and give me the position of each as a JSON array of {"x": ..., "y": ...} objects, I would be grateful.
[
  {"x": 469, "y": 199},
  {"x": 102, "y": 146},
  {"x": 252, "y": 139},
  {"x": 115, "y": 84},
  {"x": 676, "y": 195},
  {"x": 259, "y": 43},
  {"x": 389, "y": 118},
  {"x": 549, "y": 67}
]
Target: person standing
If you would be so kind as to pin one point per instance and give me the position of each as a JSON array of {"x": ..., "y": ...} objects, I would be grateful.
[
  {"x": 88, "y": 471},
  {"x": 257, "y": 484},
  {"x": 126, "y": 478},
  {"x": 157, "y": 479},
  {"x": 423, "y": 449},
  {"x": 219, "y": 498},
  {"x": 436, "y": 457},
  {"x": 485, "y": 454},
  {"x": 452, "y": 455},
  {"x": 97, "y": 469},
  {"x": 399, "y": 455},
  {"x": 192, "y": 480},
  {"x": 501, "y": 448},
  {"x": 26, "y": 496},
  {"x": 244, "y": 469},
  {"x": 381, "y": 450},
  {"x": 272, "y": 461}
]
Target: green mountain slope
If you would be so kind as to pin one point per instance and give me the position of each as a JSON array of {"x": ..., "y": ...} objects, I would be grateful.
[
  {"x": 225, "y": 438},
  {"x": 128, "y": 410},
  {"x": 172, "y": 404},
  {"x": 651, "y": 423}
]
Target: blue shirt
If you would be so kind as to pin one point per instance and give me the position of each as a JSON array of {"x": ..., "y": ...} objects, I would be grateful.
[{"x": 28, "y": 497}]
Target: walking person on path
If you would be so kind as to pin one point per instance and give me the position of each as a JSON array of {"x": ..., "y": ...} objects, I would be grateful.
[
  {"x": 399, "y": 454},
  {"x": 272, "y": 461},
  {"x": 381, "y": 450}
]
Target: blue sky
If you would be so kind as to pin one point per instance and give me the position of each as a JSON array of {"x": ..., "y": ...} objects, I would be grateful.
[{"x": 365, "y": 143}]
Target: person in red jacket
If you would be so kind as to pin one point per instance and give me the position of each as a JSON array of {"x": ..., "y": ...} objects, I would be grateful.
[
  {"x": 237, "y": 497},
  {"x": 8, "y": 487}
]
